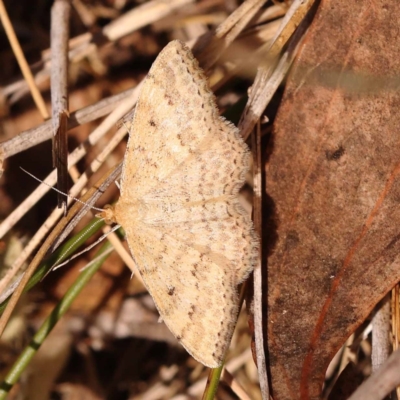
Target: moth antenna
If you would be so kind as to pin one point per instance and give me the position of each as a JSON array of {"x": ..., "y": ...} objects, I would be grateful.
[
  {"x": 100, "y": 239},
  {"x": 59, "y": 191}
]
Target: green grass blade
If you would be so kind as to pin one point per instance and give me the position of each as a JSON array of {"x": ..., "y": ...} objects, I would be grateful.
[{"x": 27, "y": 355}]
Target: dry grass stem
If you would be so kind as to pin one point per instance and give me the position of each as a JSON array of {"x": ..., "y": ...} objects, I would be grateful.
[
  {"x": 124, "y": 254},
  {"x": 226, "y": 33},
  {"x": 141, "y": 16},
  {"x": 258, "y": 99},
  {"x": 233, "y": 383},
  {"x": 243, "y": 68},
  {"x": 29, "y": 80}
]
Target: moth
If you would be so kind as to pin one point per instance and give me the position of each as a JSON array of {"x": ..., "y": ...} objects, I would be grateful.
[{"x": 190, "y": 238}]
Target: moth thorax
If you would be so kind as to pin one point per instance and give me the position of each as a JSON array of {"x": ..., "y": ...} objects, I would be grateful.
[{"x": 127, "y": 212}]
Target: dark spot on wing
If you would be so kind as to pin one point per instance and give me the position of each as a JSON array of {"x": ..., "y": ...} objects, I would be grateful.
[{"x": 171, "y": 290}]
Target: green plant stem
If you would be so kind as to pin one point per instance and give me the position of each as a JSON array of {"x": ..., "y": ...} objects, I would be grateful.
[
  {"x": 214, "y": 377},
  {"x": 27, "y": 355},
  {"x": 61, "y": 254}
]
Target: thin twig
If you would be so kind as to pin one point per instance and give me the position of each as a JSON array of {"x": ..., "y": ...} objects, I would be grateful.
[
  {"x": 381, "y": 335},
  {"x": 257, "y": 274},
  {"x": 395, "y": 311},
  {"x": 60, "y": 13}
]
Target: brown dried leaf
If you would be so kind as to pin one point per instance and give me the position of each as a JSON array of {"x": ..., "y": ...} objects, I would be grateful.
[{"x": 333, "y": 178}]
